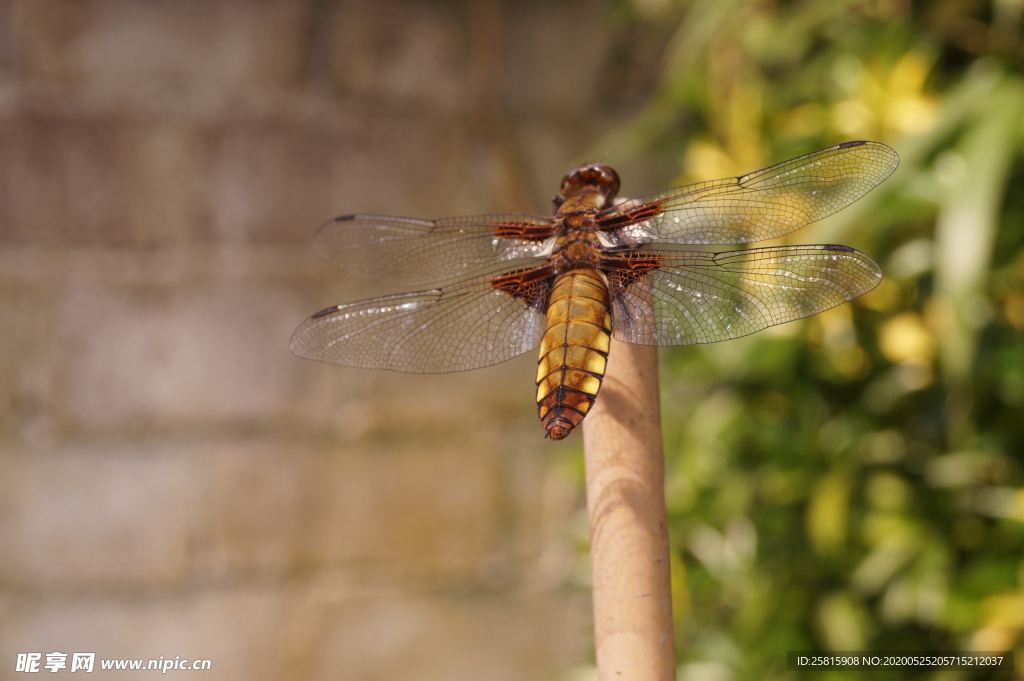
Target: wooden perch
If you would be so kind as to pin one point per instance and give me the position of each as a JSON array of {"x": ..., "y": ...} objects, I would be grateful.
[{"x": 628, "y": 535}]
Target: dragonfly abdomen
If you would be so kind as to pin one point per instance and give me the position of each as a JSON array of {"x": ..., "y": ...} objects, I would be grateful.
[{"x": 574, "y": 351}]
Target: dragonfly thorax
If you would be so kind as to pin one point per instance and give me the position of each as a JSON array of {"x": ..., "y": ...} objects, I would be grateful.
[{"x": 577, "y": 247}]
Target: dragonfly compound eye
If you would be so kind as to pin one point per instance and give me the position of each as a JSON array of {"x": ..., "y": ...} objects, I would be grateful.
[{"x": 595, "y": 175}]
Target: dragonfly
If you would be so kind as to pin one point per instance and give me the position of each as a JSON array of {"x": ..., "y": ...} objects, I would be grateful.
[{"x": 636, "y": 270}]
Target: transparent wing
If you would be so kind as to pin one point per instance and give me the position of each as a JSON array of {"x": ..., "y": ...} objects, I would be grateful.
[
  {"x": 460, "y": 327},
  {"x": 755, "y": 207},
  {"x": 411, "y": 252},
  {"x": 688, "y": 298}
]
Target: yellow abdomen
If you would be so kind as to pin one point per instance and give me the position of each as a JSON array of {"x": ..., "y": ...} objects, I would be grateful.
[{"x": 574, "y": 351}]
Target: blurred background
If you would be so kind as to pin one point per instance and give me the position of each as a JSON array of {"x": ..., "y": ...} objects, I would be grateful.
[{"x": 173, "y": 482}]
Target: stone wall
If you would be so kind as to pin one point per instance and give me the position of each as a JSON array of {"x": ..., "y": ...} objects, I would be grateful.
[{"x": 172, "y": 480}]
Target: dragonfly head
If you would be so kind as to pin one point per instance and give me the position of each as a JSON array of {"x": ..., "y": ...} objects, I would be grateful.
[{"x": 595, "y": 178}]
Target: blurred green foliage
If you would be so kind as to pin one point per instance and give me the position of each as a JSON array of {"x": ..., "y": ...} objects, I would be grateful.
[{"x": 853, "y": 481}]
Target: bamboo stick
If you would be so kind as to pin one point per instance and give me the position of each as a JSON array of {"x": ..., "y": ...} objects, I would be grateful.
[{"x": 628, "y": 535}]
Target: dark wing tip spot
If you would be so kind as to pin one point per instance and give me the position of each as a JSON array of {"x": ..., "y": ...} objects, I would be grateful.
[
  {"x": 344, "y": 218},
  {"x": 324, "y": 313},
  {"x": 847, "y": 145},
  {"x": 841, "y": 248}
]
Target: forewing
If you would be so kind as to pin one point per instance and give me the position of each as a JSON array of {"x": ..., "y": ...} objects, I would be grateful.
[
  {"x": 763, "y": 205},
  {"x": 460, "y": 327},
  {"x": 688, "y": 298},
  {"x": 411, "y": 252}
]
